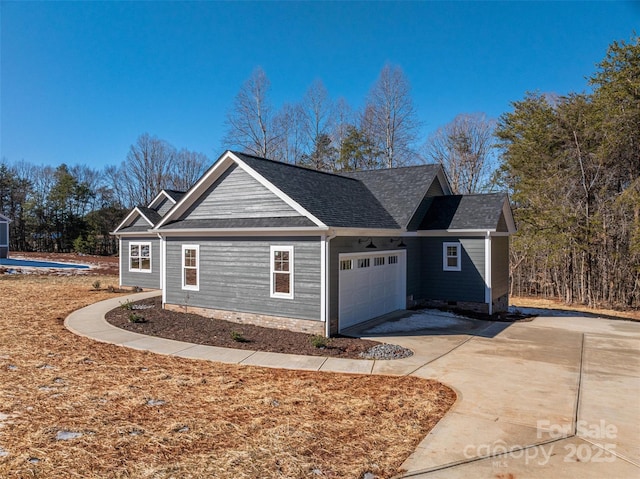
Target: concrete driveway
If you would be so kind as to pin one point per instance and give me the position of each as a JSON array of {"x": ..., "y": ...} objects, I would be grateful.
[{"x": 558, "y": 396}]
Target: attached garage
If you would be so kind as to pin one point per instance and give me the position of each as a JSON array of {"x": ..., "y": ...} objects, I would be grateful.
[{"x": 371, "y": 285}]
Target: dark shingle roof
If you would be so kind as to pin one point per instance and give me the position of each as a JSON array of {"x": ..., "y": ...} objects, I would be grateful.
[
  {"x": 399, "y": 190},
  {"x": 458, "y": 212},
  {"x": 175, "y": 195},
  {"x": 334, "y": 199},
  {"x": 151, "y": 215},
  {"x": 283, "y": 222}
]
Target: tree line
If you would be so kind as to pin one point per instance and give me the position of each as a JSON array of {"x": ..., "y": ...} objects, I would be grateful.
[
  {"x": 74, "y": 208},
  {"x": 570, "y": 163}
]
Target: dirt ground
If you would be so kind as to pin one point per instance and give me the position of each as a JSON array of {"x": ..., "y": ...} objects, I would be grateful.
[
  {"x": 192, "y": 328},
  {"x": 71, "y": 407},
  {"x": 530, "y": 302}
]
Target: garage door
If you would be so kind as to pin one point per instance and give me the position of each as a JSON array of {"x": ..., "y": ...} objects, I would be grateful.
[{"x": 371, "y": 284}]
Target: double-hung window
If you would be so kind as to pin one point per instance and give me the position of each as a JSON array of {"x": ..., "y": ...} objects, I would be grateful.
[
  {"x": 281, "y": 272},
  {"x": 140, "y": 257},
  {"x": 451, "y": 260},
  {"x": 191, "y": 267}
]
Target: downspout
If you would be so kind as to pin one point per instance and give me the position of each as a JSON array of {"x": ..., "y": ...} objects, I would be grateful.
[
  {"x": 487, "y": 273},
  {"x": 327, "y": 284},
  {"x": 120, "y": 261}
]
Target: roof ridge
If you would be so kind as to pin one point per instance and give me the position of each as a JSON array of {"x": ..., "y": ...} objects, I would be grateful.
[{"x": 291, "y": 165}]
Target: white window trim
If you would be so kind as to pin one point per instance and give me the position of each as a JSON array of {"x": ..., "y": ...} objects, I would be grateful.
[
  {"x": 445, "y": 263},
  {"x": 272, "y": 271},
  {"x": 195, "y": 287},
  {"x": 140, "y": 244}
]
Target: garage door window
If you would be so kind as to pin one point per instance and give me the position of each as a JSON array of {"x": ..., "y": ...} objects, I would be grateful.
[
  {"x": 393, "y": 259},
  {"x": 379, "y": 261},
  {"x": 451, "y": 257},
  {"x": 364, "y": 262},
  {"x": 282, "y": 272},
  {"x": 346, "y": 264}
]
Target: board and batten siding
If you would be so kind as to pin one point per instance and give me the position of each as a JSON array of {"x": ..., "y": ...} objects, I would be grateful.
[
  {"x": 236, "y": 194},
  {"x": 465, "y": 285},
  {"x": 235, "y": 276},
  {"x": 499, "y": 266},
  {"x": 133, "y": 278}
]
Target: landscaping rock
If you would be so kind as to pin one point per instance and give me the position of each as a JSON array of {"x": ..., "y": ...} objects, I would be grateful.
[{"x": 387, "y": 351}]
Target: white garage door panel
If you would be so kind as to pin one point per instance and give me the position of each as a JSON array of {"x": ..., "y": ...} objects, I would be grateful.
[{"x": 372, "y": 291}]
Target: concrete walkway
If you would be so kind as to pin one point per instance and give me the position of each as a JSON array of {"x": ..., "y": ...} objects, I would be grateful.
[{"x": 555, "y": 397}]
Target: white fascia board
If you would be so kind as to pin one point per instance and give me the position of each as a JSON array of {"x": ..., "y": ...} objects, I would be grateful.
[
  {"x": 159, "y": 196},
  {"x": 470, "y": 232},
  {"x": 210, "y": 176},
  {"x": 368, "y": 232},
  {"x": 276, "y": 191},
  {"x": 310, "y": 231},
  {"x": 4, "y": 218},
  {"x": 508, "y": 216},
  {"x": 444, "y": 181},
  {"x": 125, "y": 234},
  {"x": 128, "y": 219}
]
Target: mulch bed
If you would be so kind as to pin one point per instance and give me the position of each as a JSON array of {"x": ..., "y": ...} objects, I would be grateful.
[{"x": 196, "y": 329}]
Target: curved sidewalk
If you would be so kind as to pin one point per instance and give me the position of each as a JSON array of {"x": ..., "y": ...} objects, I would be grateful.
[{"x": 554, "y": 397}]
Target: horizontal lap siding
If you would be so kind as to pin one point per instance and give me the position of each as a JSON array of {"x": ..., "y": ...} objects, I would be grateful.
[
  {"x": 4, "y": 234},
  {"x": 140, "y": 221},
  {"x": 144, "y": 280},
  {"x": 499, "y": 266},
  {"x": 236, "y": 194},
  {"x": 465, "y": 285},
  {"x": 164, "y": 207},
  {"x": 235, "y": 276}
]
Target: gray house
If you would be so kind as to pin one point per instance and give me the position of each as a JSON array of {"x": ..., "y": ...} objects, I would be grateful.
[
  {"x": 273, "y": 244},
  {"x": 4, "y": 236},
  {"x": 140, "y": 259}
]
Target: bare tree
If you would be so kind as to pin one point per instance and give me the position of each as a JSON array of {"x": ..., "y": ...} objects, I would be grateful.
[
  {"x": 317, "y": 112},
  {"x": 392, "y": 116},
  {"x": 188, "y": 167},
  {"x": 146, "y": 170},
  {"x": 343, "y": 122},
  {"x": 250, "y": 120},
  {"x": 464, "y": 148},
  {"x": 288, "y": 124}
]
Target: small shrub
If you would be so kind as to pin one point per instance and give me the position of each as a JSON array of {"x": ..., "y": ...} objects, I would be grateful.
[
  {"x": 128, "y": 305},
  {"x": 111, "y": 289},
  {"x": 136, "y": 318},
  {"x": 238, "y": 337},
  {"x": 318, "y": 341},
  {"x": 96, "y": 284}
]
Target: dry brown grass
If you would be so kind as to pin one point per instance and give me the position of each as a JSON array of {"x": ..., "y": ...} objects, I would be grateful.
[
  {"x": 532, "y": 302},
  {"x": 218, "y": 420}
]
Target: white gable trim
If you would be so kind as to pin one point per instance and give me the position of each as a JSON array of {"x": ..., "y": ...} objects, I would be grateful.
[
  {"x": 218, "y": 168},
  {"x": 129, "y": 219},
  {"x": 3, "y": 218},
  {"x": 508, "y": 216},
  {"x": 158, "y": 197},
  {"x": 211, "y": 232},
  {"x": 444, "y": 182}
]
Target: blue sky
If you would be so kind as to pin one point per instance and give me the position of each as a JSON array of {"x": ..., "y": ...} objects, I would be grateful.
[{"x": 80, "y": 81}]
